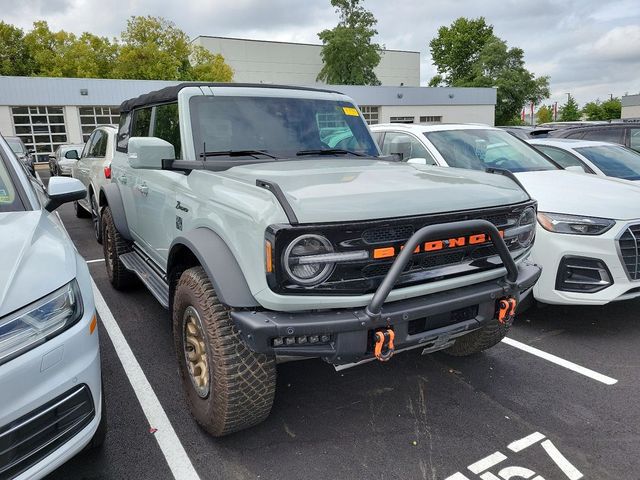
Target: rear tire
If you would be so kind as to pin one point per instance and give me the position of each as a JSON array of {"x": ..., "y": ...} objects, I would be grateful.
[
  {"x": 113, "y": 246},
  {"x": 80, "y": 211},
  {"x": 228, "y": 386},
  {"x": 475, "y": 342},
  {"x": 96, "y": 218}
]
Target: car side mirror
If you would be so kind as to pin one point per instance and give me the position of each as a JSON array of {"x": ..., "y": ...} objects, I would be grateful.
[
  {"x": 418, "y": 161},
  {"x": 31, "y": 151},
  {"x": 71, "y": 155},
  {"x": 63, "y": 190},
  {"x": 148, "y": 152},
  {"x": 575, "y": 168}
]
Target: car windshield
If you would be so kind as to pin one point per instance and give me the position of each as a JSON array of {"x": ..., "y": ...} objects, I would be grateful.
[
  {"x": 282, "y": 127},
  {"x": 613, "y": 160},
  {"x": 479, "y": 149},
  {"x": 9, "y": 200},
  {"x": 16, "y": 145}
]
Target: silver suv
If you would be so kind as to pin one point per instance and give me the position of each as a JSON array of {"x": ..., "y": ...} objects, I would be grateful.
[{"x": 264, "y": 219}]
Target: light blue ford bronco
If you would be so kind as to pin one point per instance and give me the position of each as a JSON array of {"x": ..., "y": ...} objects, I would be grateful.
[{"x": 265, "y": 220}]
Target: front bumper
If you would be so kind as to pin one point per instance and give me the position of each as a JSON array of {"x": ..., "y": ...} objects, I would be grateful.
[
  {"x": 432, "y": 321},
  {"x": 549, "y": 250}
]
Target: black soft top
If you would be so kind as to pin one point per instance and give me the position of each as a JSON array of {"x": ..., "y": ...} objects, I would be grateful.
[{"x": 170, "y": 94}]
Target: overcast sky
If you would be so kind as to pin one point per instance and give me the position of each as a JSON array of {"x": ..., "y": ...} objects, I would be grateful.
[{"x": 589, "y": 48}]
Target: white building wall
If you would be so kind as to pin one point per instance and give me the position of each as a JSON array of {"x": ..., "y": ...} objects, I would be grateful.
[
  {"x": 632, "y": 111},
  {"x": 6, "y": 124},
  {"x": 484, "y": 114},
  {"x": 255, "y": 61},
  {"x": 72, "y": 124}
]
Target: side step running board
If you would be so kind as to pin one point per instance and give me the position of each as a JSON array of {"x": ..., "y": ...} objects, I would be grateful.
[{"x": 148, "y": 275}]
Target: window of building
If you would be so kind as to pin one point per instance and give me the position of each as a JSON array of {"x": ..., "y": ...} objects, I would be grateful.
[
  {"x": 166, "y": 125},
  {"x": 431, "y": 119},
  {"x": 91, "y": 117},
  {"x": 40, "y": 128},
  {"x": 402, "y": 119},
  {"x": 371, "y": 114}
]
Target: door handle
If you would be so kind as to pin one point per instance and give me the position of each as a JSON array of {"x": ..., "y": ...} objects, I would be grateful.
[
  {"x": 122, "y": 179},
  {"x": 143, "y": 189}
]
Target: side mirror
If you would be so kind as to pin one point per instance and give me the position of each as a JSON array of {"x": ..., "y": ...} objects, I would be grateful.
[
  {"x": 63, "y": 190},
  {"x": 575, "y": 168},
  {"x": 71, "y": 155},
  {"x": 148, "y": 152},
  {"x": 418, "y": 161}
]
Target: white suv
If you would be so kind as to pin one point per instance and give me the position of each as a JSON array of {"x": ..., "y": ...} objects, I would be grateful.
[
  {"x": 93, "y": 169},
  {"x": 587, "y": 225}
]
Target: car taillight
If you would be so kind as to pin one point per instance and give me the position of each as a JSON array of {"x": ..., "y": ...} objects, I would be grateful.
[{"x": 107, "y": 172}]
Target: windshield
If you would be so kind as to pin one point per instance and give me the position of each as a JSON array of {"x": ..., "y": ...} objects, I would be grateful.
[
  {"x": 279, "y": 126},
  {"x": 613, "y": 160},
  {"x": 480, "y": 149},
  {"x": 16, "y": 145}
]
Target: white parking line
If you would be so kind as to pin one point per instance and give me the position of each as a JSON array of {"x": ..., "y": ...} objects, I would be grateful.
[
  {"x": 96, "y": 260},
  {"x": 561, "y": 361},
  {"x": 172, "y": 449}
]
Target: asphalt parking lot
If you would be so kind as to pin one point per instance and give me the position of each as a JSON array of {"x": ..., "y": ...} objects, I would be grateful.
[{"x": 505, "y": 414}]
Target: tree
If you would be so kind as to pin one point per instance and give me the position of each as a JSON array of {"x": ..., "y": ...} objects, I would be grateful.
[
  {"x": 209, "y": 67},
  {"x": 348, "y": 53},
  {"x": 467, "y": 54},
  {"x": 611, "y": 109},
  {"x": 569, "y": 112},
  {"x": 15, "y": 58},
  {"x": 593, "y": 110},
  {"x": 544, "y": 114}
]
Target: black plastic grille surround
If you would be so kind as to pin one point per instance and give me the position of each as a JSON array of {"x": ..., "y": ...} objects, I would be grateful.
[
  {"x": 364, "y": 276},
  {"x": 27, "y": 440},
  {"x": 629, "y": 244}
]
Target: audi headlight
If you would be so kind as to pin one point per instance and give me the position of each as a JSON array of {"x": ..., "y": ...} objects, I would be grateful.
[
  {"x": 574, "y": 224},
  {"x": 304, "y": 262},
  {"x": 527, "y": 227},
  {"x": 38, "y": 322}
]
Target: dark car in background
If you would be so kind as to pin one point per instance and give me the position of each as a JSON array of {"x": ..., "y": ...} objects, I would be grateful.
[
  {"x": 20, "y": 149},
  {"x": 627, "y": 134}
]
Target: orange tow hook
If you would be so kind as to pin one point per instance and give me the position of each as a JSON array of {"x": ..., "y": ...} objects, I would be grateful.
[
  {"x": 506, "y": 309},
  {"x": 383, "y": 349}
]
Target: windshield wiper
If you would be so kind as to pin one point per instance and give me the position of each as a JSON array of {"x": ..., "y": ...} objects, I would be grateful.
[
  {"x": 237, "y": 153},
  {"x": 329, "y": 151}
]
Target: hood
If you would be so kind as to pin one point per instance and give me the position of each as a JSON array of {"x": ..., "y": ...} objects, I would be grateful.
[
  {"x": 37, "y": 258},
  {"x": 562, "y": 191},
  {"x": 341, "y": 189}
]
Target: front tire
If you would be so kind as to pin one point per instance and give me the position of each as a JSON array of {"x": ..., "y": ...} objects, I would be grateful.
[
  {"x": 113, "y": 246},
  {"x": 486, "y": 337},
  {"x": 228, "y": 386}
]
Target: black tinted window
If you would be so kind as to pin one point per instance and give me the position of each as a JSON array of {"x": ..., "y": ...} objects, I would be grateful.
[
  {"x": 613, "y": 135},
  {"x": 123, "y": 132},
  {"x": 141, "y": 122},
  {"x": 166, "y": 125}
]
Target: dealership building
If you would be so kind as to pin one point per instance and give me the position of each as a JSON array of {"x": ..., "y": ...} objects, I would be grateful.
[
  {"x": 631, "y": 107},
  {"x": 47, "y": 112}
]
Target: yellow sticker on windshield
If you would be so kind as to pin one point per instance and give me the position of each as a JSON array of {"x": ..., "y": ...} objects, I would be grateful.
[{"x": 352, "y": 112}]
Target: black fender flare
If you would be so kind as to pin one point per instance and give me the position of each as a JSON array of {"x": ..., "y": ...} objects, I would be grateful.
[
  {"x": 113, "y": 198},
  {"x": 218, "y": 261}
]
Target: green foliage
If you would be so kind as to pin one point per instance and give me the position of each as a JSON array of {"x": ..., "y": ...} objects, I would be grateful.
[
  {"x": 348, "y": 53},
  {"x": 467, "y": 54},
  {"x": 597, "y": 110},
  {"x": 150, "y": 48},
  {"x": 544, "y": 115},
  {"x": 15, "y": 58},
  {"x": 569, "y": 112}
]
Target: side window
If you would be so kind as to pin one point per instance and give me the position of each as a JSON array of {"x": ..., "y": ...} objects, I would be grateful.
[
  {"x": 123, "y": 132},
  {"x": 141, "y": 122},
  {"x": 87, "y": 146},
  {"x": 613, "y": 135},
  {"x": 576, "y": 135},
  {"x": 634, "y": 139},
  {"x": 167, "y": 126},
  {"x": 99, "y": 140},
  {"x": 405, "y": 145},
  {"x": 562, "y": 158},
  {"x": 377, "y": 137}
]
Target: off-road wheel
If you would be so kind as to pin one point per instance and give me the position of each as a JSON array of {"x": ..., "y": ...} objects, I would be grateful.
[
  {"x": 114, "y": 245},
  {"x": 96, "y": 218},
  {"x": 475, "y": 342},
  {"x": 80, "y": 212},
  {"x": 228, "y": 387}
]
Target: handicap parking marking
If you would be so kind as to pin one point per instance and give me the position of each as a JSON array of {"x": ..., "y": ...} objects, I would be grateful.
[
  {"x": 599, "y": 377},
  {"x": 481, "y": 467},
  {"x": 169, "y": 443}
]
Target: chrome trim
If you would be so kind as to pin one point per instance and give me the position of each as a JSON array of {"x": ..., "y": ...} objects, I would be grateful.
[
  {"x": 617, "y": 238},
  {"x": 331, "y": 257}
]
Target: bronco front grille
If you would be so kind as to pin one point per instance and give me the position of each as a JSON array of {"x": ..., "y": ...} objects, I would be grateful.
[{"x": 629, "y": 244}]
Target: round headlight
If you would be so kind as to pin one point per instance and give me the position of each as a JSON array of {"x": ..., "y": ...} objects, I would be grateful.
[
  {"x": 527, "y": 219},
  {"x": 299, "y": 263}
]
